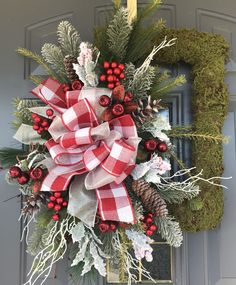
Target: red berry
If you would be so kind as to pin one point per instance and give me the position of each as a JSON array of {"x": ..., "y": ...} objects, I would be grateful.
[
  {"x": 121, "y": 66},
  {"x": 103, "y": 227},
  {"x": 149, "y": 233},
  {"x": 36, "y": 173},
  {"x": 57, "y": 208},
  {"x": 55, "y": 217},
  {"x": 162, "y": 147},
  {"x": 150, "y": 215},
  {"x": 128, "y": 97},
  {"x": 117, "y": 110},
  {"x": 33, "y": 116},
  {"x": 149, "y": 220},
  {"x": 113, "y": 64},
  {"x": 64, "y": 204},
  {"x": 45, "y": 123},
  {"x": 103, "y": 77},
  {"x": 110, "y": 85},
  {"x": 145, "y": 226},
  {"x": 150, "y": 145},
  {"x": 117, "y": 71},
  {"x": 40, "y": 131},
  {"x": 113, "y": 227},
  {"x": 37, "y": 119},
  {"x": 59, "y": 200},
  {"x": 109, "y": 72},
  {"x": 110, "y": 78},
  {"x": 52, "y": 198},
  {"x": 117, "y": 83},
  {"x": 46, "y": 129},
  {"x": 122, "y": 75},
  {"x": 14, "y": 172},
  {"x": 153, "y": 228},
  {"x": 50, "y": 205},
  {"x": 106, "y": 64},
  {"x": 104, "y": 101},
  {"x": 49, "y": 112},
  {"x": 23, "y": 179},
  {"x": 57, "y": 194},
  {"x": 36, "y": 127}
]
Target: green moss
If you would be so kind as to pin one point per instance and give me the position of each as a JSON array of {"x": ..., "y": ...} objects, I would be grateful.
[{"x": 207, "y": 54}]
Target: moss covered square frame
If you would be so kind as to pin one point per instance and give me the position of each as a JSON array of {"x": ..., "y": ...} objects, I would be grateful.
[{"x": 207, "y": 54}]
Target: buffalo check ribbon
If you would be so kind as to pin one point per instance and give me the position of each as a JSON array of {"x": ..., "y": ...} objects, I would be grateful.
[{"x": 102, "y": 154}]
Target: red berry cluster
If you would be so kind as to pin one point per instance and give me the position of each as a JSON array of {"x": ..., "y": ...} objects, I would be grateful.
[
  {"x": 57, "y": 202},
  {"x": 23, "y": 177},
  {"x": 148, "y": 224},
  {"x": 120, "y": 103},
  {"x": 152, "y": 145},
  {"x": 107, "y": 226},
  {"x": 41, "y": 124},
  {"x": 113, "y": 73}
]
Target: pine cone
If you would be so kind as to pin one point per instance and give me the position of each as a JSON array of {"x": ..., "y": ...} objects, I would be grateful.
[
  {"x": 32, "y": 203},
  {"x": 68, "y": 62},
  {"x": 150, "y": 198},
  {"x": 146, "y": 110}
]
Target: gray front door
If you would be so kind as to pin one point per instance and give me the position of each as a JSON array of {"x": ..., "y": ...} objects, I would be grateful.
[{"x": 206, "y": 258}]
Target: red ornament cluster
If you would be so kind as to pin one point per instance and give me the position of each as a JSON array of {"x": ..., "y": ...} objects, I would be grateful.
[
  {"x": 120, "y": 103},
  {"x": 57, "y": 202},
  {"x": 108, "y": 226},
  {"x": 148, "y": 224},
  {"x": 152, "y": 145},
  {"x": 41, "y": 124},
  {"x": 113, "y": 73}
]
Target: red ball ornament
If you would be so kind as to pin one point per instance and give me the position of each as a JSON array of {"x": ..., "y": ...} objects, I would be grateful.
[
  {"x": 103, "y": 227},
  {"x": 153, "y": 228},
  {"x": 23, "y": 179},
  {"x": 104, "y": 101},
  {"x": 103, "y": 77},
  {"x": 149, "y": 233},
  {"x": 109, "y": 72},
  {"x": 117, "y": 110},
  {"x": 76, "y": 85},
  {"x": 113, "y": 64},
  {"x": 150, "y": 145},
  {"x": 110, "y": 85},
  {"x": 59, "y": 200},
  {"x": 121, "y": 66},
  {"x": 57, "y": 194},
  {"x": 64, "y": 204},
  {"x": 117, "y": 71},
  {"x": 50, "y": 205},
  {"x": 36, "y": 173},
  {"x": 14, "y": 172},
  {"x": 52, "y": 198},
  {"x": 128, "y": 97},
  {"x": 55, "y": 217},
  {"x": 110, "y": 78},
  {"x": 106, "y": 64},
  {"x": 49, "y": 112},
  {"x": 122, "y": 75},
  {"x": 57, "y": 208},
  {"x": 149, "y": 220},
  {"x": 162, "y": 147}
]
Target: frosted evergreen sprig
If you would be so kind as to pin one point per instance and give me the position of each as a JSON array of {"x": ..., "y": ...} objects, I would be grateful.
[
  {"x": 69, "y": 39},
  {"x": 118, "y": 33}
]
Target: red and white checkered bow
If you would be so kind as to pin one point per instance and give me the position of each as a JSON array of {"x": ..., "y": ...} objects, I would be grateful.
[{"x": 79, "y": 144}]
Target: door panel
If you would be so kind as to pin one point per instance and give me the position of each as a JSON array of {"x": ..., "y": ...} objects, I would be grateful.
[{"x": 206, "y": 258}]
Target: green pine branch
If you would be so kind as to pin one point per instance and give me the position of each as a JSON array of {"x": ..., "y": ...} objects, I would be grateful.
[
  {"x": 8, "y": 156},
  {"x": 118, "y": 33},
  {"x": 36, "y": 79}
]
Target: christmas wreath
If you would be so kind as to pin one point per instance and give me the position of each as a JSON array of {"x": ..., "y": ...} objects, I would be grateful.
[{"x": 95, "y": 172}]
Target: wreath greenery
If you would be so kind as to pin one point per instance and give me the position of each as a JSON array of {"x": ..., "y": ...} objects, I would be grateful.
[{"x": 207, "y": 54}]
